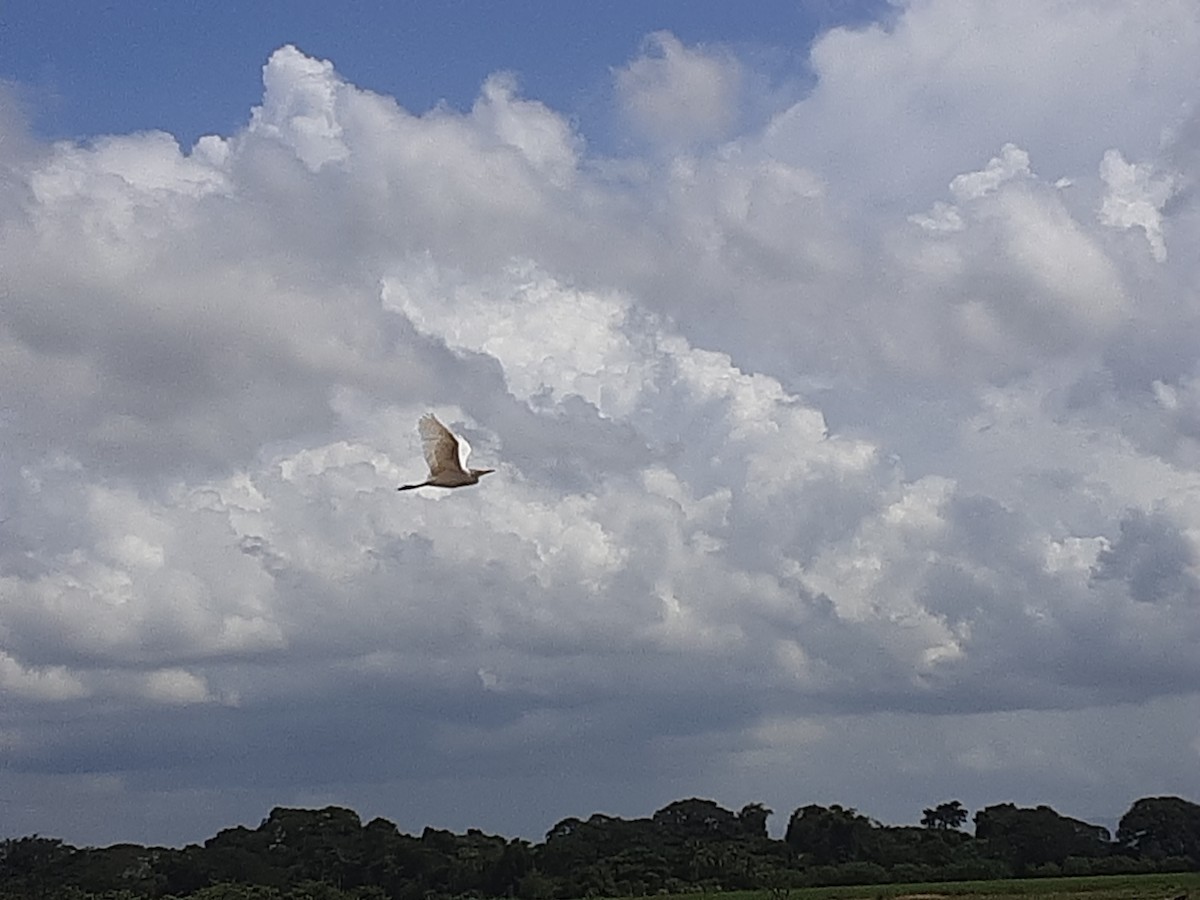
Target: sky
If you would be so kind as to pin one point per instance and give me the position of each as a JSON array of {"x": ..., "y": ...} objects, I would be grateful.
[{"x": 837, "y": 361}]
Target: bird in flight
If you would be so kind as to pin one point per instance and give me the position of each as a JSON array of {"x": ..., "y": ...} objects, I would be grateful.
[{"x": 447, "y": 457}]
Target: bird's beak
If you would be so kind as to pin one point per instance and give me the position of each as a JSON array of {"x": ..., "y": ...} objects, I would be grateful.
[{"x": 486, "y": 471}]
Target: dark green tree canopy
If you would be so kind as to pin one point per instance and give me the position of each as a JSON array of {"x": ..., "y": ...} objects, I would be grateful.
[
  {"x": 1030, "y": 837},
  {"x": 1162, "y": 827},
  {"x": 689, "y": 845},
  {"x": 828, "y": 836},
  {"x": 944, "y": 816},
  {"x": 696, "y": 818},
  {"x": 753, "y": 819}
]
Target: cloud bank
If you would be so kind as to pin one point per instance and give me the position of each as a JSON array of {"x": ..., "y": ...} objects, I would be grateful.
[{"x": 852, "y": 458}]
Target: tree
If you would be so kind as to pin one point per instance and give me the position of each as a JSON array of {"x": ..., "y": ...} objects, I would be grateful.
[
  {"x": 753, "y": 819},
  {"x": 507, "y": 873},
  {"x": 185, "y": 871},
  {"x": 130, "y": 867},
  {"x": 944, "y": 816},
  {"x": 696, "y": 818},
  {"x": 1159, "y": 827},
  {"x": 589, "y": 857},
  {"x": 239, "y": 855},
  {"x": 900, "y": 845},
  {"x": 691, "y": 845},
  {"x": 1027, "y": 838},
  {"x": 316, "y": 844},
  {"x": 829, "y": 836},
  {"x": 34, "y": 866}
]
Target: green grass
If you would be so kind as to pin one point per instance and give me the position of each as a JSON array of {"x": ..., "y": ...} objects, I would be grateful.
[{"x": 1097, "y": 887}]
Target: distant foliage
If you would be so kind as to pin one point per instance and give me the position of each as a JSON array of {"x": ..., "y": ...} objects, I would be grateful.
[
  {"x": 944, "y": 816},
  {"x": 1162, "y": 828},
  {"x": 1031, "y": 838},
  {"x": 691, "y": 845}
]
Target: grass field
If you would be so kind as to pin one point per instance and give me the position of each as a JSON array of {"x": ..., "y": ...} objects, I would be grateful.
[{"x": 1100, "y": 887}]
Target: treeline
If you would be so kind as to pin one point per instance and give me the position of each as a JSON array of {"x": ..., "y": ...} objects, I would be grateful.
[{"x": 689, "y": 845}]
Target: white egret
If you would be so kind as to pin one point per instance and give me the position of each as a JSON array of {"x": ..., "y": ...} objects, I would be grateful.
[{"x": 446, "y": 456}]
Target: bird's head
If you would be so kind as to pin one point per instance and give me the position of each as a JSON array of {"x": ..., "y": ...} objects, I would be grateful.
[{"x": 478, "y": 473}]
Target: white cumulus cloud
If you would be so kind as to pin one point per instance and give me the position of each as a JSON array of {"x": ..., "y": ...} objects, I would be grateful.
[{"x": 859, "y": 427}]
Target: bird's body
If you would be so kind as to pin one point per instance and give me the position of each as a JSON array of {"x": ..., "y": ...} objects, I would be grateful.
[{"x": 446, "y": 456}]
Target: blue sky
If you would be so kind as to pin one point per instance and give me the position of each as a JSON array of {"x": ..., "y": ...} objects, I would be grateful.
[
  {"x": 840, "y": 381},
  {"x": 192, "y": 69}
]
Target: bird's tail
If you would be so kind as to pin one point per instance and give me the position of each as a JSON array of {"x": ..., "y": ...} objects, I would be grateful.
[{"x": 409, "y": 487}]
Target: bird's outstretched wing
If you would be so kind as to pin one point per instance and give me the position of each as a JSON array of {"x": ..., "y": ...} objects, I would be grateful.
[{"x": 441, "y": 447}]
